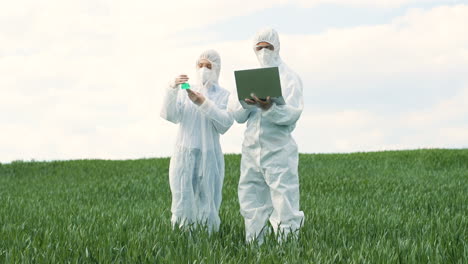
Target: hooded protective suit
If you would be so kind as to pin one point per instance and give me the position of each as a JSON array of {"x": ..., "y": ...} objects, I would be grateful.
[
  {"x": 196, "y": 170},
  {"x": 269, "y": 184}
]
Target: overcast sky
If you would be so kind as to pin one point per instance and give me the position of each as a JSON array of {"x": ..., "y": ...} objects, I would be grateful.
[{"x": 84, "y": 79}]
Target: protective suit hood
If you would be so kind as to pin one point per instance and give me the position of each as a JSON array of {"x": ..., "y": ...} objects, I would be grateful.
[
  {"x": 211, "y": 77},
  {"x": 268, "y": 58}
]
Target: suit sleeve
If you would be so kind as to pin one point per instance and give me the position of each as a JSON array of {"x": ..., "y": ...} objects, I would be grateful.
[
  {"x": 238, "y": 113},
  {"x": 172, "y": 107},
  {"x": 290, "y": 112},
  {"x": 218, "y": 114}
]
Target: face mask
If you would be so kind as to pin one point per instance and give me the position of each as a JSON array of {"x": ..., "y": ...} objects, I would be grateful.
[
  {"x": 206, "y": 75},
  {"x": 266, "y": 57}
]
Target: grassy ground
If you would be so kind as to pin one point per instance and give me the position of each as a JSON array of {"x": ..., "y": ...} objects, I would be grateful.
[{"x": 381, "y": 207}]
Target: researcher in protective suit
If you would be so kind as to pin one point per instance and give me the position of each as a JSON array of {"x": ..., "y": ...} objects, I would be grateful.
[
  {"x": 269, "y": 184},
  {"x": 196, "y": 169}
]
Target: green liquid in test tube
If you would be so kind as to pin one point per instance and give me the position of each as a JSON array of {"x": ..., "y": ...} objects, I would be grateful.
[{"x": 185, "y": 86}]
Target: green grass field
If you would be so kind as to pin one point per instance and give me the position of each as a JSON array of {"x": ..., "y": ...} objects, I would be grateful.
[{"x": 379, "y": 207}]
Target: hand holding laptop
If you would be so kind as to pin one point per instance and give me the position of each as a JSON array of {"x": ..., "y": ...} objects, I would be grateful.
[{"x": 263, "y": 104}]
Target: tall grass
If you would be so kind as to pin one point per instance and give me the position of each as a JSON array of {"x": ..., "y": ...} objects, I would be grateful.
[{"x": 378, "y": 207}]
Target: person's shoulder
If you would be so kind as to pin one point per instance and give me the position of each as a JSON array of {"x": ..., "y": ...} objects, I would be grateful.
[
  {"x": 290, "y": 74},
  {"x": 289, "y": 71}
]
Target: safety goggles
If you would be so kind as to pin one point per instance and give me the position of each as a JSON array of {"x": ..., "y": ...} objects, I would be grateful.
[{"x": 260, "y": 47}]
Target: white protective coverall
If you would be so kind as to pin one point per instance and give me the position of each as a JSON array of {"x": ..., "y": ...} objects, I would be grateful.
[
  {"x": 196, "y": 170},
  {"x": 269, "y": 184}
]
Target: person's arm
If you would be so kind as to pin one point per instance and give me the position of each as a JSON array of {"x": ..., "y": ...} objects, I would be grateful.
[
  {"x": 220, "y": 118},
  {"x": 239, "y": 114},
  {"x": 172, "y": 108},
  {"x": 290, "y": 112}
]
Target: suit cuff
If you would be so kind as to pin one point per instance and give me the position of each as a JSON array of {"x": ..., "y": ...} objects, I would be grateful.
[{"x": 270, "y": 113}]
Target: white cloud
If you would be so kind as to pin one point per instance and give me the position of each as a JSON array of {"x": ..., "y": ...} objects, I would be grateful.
[
  {"x": 84, "y": 79},
  {"x": 372, "y": 3},
  {"x": 433, "y": 41},
  {"x": 452, "y": 109},
  {"x": 443, "y": 125}
]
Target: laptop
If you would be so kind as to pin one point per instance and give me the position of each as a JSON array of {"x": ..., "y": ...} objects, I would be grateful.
[{"x": 262, "y": 82}]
